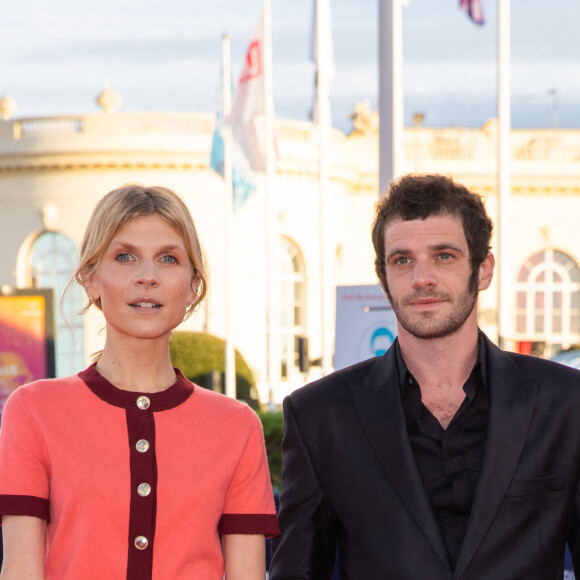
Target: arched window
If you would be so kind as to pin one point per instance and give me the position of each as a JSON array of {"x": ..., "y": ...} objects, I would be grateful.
[
  {"x": 51, "y": 262},
  {"x": 291, "y": 313},
  {"x": 548, "y": 299}
]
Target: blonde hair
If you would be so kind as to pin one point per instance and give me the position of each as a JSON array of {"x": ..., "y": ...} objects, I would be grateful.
[{"x": 127, "y": 204}]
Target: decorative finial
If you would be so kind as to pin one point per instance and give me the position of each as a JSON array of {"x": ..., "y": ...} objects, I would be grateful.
[
  {"x": 7, "y": 107},
  {"x": 109, "y": 100},
  {"x": 364, "y": 119}
]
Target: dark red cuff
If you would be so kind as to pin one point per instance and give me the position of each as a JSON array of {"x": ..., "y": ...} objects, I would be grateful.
[
  {"x": 25, "y": 505},
  {"x": 266, "y": 524}
]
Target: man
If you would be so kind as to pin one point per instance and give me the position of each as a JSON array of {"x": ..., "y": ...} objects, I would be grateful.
[{"x": 445, "y": 458}]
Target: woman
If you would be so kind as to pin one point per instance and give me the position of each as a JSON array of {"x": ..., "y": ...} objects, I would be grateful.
[{"x": 128, "y": 470}]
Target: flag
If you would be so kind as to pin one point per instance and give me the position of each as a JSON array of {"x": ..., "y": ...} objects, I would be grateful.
[
  {"x": 243, "y": 185},
  {"x": 473, "y": 9},
  {"x": 247, "y": 116}
]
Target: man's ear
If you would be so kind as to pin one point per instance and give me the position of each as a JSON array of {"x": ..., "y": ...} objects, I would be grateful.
[{"x": 486, "y": 272}]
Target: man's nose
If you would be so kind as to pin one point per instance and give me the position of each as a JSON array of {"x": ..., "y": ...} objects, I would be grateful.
[{"x": 423, "y": 275}]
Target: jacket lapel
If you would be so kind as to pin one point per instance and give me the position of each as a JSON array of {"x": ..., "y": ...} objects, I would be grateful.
[
  {"x": 512, "y": 402},
  {"x": 378, "y": 404}
]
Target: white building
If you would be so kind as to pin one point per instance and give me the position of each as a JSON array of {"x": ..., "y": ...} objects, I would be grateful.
[{"x": 54, "y": 169}]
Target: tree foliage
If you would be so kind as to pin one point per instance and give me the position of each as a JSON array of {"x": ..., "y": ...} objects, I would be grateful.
[
  {"x": 273, "y": 425},
  {"x": 198, "y": 355}
]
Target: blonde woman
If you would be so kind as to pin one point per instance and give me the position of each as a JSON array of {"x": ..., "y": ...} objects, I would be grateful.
[{"x": 128, "y": 470}]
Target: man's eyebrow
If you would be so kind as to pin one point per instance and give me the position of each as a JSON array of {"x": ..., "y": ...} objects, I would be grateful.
[
  {"x": 396, "y": 251},
  {"x": 446, "y": 246},
  {"x": 402, "y": 251}
]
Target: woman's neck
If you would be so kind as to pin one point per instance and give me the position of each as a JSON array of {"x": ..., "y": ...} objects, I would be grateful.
[{"x": 144, "y": 368}]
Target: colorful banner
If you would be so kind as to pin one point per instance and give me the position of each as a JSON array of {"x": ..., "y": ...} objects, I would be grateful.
[{"x": 26, "y": 339}]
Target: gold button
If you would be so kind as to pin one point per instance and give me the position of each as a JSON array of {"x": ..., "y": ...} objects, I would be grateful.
[
  {"x": 143, "y": 402},
  {"x": 144, "y": 489},
  {"x": 142, "y": 445},
  {"x": 141, "y": 542}
]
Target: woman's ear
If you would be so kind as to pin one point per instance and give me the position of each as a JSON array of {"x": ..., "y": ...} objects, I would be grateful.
[
  {"x": 193, "y": 288},
  {"x": 91, "y": 288}
]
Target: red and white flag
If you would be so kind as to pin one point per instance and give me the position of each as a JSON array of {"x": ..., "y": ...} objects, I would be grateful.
[
  {"x": 473, "y": 9},
  {"x": 247, "y": 115}
]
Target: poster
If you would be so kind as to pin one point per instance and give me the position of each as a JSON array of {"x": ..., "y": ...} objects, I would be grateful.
[
  {"x": 26, "y": 339},
  {"x": 365, "y": 324}
]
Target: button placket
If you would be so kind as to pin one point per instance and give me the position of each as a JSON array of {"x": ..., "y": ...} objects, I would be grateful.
[{"x": 141, "y": 430}]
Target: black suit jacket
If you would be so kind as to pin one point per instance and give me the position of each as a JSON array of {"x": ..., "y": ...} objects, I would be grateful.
[{"x": 350, "y": 481}]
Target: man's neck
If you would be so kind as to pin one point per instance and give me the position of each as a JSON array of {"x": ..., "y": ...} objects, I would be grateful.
[
  {"x": 441, "y": 363},
  {"x": 441, "y": 367}
]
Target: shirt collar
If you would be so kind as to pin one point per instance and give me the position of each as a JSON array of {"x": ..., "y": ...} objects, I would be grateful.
[{"x": 405, "y": 375}]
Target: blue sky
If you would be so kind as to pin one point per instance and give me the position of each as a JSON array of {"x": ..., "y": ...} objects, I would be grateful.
[{"x": 165, "y": 56}]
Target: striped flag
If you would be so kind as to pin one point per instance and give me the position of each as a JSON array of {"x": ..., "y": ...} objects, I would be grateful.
[{"x": 473, "y": 9}]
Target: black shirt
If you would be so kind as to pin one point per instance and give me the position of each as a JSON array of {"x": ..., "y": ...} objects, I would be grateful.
[{"x": 449, "y": 460}]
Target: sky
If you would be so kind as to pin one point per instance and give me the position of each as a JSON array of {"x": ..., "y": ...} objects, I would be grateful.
[{"x": 165, "y": 56}]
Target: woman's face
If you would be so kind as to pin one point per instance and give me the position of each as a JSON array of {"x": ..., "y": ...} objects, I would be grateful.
[{"x": 144, "y": 281}]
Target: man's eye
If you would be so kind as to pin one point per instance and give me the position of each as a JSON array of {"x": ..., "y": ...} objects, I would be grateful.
[
  {"x": 445, "y": 256},
  {"x": 402, "y": 260},
  {"x": 169, "y": 259}
]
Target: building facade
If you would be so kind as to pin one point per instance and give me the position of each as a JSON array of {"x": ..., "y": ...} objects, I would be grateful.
[{"x": 53, "y": 170}]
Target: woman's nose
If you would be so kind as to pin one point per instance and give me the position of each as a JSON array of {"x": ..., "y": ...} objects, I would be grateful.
[{"x": 147, "y": 274}]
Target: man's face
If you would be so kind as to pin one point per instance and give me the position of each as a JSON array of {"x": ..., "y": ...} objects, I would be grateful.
[{"x": 428, "y": 273}]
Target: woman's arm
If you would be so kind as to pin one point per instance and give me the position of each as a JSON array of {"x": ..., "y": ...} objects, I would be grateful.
[
  {"x": 244, "y": 556},
  {"x": 24, "y": 540}
]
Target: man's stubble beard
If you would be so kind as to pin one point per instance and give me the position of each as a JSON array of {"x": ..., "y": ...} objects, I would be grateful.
[{"x": 420, "y": 325}]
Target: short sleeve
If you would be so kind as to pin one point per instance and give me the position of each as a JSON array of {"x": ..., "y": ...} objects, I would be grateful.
[
  {"x": 249, "y": 503},
  {"x": 24, "y": 462}
]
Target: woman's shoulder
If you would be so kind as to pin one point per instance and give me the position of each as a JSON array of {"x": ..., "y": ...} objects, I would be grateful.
[
  {"x": 222, "y": 404},
  {"x": 47, "y": 388}
]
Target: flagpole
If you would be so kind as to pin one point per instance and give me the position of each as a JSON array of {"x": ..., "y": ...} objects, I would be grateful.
[
  {"x": 269, "y": 203},
  {"x": 323, "y": 123},
  {"x": 505, "y": 309},
  {"x": 390, "y": 92},
  {"x": 230, "y": 353}
]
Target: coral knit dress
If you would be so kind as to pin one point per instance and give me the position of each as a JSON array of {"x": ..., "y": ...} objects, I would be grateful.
[{"x": 134, "y": 485}]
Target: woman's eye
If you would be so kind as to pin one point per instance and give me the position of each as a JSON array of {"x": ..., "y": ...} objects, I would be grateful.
[
  {"x": 123, "y": 257},
  {"x": 169, "y": 259}
]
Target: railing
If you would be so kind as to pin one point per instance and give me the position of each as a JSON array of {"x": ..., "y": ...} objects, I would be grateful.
[{"x": 47, "y": 127}]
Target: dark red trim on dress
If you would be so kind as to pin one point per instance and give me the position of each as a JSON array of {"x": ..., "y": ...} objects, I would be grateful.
[
  {"x": 171, "y": 397},
  {"x": 142, "y": 510},
  {"x": 266, "y": 524},
  {"x": 25, "y": 505}
]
